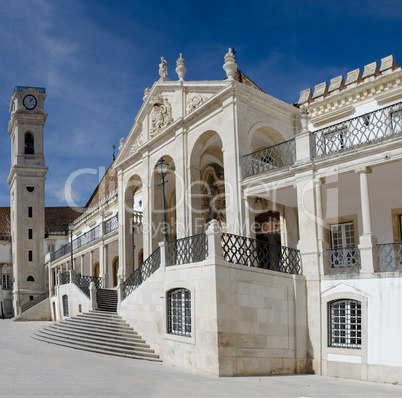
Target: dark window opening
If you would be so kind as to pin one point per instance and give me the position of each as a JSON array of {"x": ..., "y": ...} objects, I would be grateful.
[
  {"x": 30, "y": 279},
  {"x": 30, "y": 233},
  {"x": 31, "y": 298},
  {"x": 29, "y": 144},
  {"x": 30, "y": 189},
  {"x": 29, "y": 212},
  {"x": 30, "y": 255}
]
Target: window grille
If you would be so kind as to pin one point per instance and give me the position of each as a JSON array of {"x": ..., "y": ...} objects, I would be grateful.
[
  {"x": 65, "y": 305},
  {"x": 179, "y": 312},
  {"x": 6, "y": 279},
  {"x": 345, "y": 324}
]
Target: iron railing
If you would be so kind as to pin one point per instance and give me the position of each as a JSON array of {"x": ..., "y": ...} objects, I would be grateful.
[
  {"x": 271, "y": 158},
  {"x": 35, "y": 301},
  {"x": 64, "y": 278},
  {"x": 390, "y": 257},
  {"x": 111, "y": 224},
  {"x": 83, "y": 282},
  {"x": 187, "y": 250},
  {"x": 79, "y": 242},
  {"x": 254, "y": 253},
  {"x": 345, "y": 260},
  {"x": 143, "y": 272},
  {"x": 360, "y": 130},
  {"x": 20, "y": 89}
]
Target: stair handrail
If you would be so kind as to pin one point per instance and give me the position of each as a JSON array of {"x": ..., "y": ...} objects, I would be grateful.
[
  {"x": 36, "y": 300},
  {"x": 83, "y": 282},
  {"x": 143, "y": 272}
]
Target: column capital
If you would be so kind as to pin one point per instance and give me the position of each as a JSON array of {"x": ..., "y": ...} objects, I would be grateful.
[
  {"x": 319, "y": 181},
  {"x": 363, "y": 170}
]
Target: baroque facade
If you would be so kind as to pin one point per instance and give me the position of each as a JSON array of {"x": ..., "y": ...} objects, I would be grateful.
[{"x": 270, "y": 244}]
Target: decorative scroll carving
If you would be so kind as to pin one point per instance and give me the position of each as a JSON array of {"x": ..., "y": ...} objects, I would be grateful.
[
  {"x": 136, "y": 145},
  {"x": 161, "y": 115},
  {"x": 194, "y": 102}
]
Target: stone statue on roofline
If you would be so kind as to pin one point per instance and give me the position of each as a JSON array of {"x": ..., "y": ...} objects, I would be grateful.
[{"x": 163, "y": 69}]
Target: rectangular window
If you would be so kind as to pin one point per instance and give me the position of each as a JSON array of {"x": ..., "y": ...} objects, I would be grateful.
[
  {"x": 30, "y": 233},
  {"x": 179, "y": 312},
  {"x": 30, "y": 255},
  {"x": 342, "y": 235},
  {"x": 29, "y": 212},
  {"x": 6, "y": 279},
  {"x": 345, "y": 324},
  {"x": 344, "y": 256}
]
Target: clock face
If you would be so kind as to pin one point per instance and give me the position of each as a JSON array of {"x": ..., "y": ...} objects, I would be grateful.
[{"x": 29, "y": 102}]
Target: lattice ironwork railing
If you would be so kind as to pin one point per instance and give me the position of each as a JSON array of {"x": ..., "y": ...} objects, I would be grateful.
[
  {"x": 79, "y": 242},
  {"x": 345, "y": 260},
  {"x": 254, "y": 253},
  {"x": 35, "y": 301},
  {"x": 360, "y": 130},
  {"x": 83, "y": 282},
  {"x": 271, "y": 158},
  {"x": 111, "y": 224},
  {"x": 64, "y": 278},
  {"x": 187, "y": 250},
  {"x": 390, "y": 257},
  {"x": 143, "y": 272}
]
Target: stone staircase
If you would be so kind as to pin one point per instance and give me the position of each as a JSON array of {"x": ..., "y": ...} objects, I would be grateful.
[
  {"x": 98, "y": 331},
  {"x": 106, "y": 299}
]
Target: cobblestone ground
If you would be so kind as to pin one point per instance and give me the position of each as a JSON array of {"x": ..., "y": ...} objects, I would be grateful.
[{"x": 32, "y": 368}]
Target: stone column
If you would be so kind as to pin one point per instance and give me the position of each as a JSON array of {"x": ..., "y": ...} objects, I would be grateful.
[
  {"x": 320, "y": 222},
  {"x": 92, "y": 296},
  {"x": 249, "y": 217},
  {"x": 303, "y": 140},
  {"x": 163, "y": 248},
  {"x": 195, "y": 215},
  {"x": 367, "y": 241},
  {"x": 82, "y": 264},
  {"x": 91, "y": 263},
  {"x": 105, "y": 265},
  {"x": 214, "y": 236},
  {"x": 147, "y": 205}
]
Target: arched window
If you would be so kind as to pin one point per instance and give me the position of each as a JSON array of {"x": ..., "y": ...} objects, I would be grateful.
[
  {"x": 30, "y": 278},
  {"x": 29, "y": 144},
  {"x": 179, "y": 312},
  {"x": 96, "y": 270},
  {"x": 345, "y": 324},
  {"x": 65, "y": 305},
  {"x": 115, "y": 270}
]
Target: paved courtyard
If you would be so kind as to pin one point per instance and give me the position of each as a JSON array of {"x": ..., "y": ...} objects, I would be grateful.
[{"x": 32, "y": 368}]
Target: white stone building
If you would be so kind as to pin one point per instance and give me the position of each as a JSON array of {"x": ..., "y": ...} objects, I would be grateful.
[{"x": 280, "y": 251}]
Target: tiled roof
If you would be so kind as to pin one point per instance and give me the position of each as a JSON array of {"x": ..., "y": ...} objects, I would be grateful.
[
  {"x": 242, "y": 78},
  {"x": 56, "y": 219},
  {"x": 107, "y": 185}
]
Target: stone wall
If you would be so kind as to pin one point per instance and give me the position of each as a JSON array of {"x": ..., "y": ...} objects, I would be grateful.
[{"x": 39, "y": 312}]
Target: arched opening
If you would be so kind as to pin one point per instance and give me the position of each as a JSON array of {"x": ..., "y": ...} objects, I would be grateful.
[
  {"x": 29, "y": 144},
  {"x": 65, "y": 305},
  {"x": 133, "y": 211},
  {"x": 115, "y": 266},
  {"x": 208, "y": 196},
  {"x": 170, "y": 203},
  {"x": 30, "y": 278},
  {"x": 96, "y": 270},
  {"x": 263, "y": 137},
  {"x": 140, "y": 257}
]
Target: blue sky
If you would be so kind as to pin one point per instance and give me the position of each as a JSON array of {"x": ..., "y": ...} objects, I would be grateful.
[{"x": 95, "y": 59}]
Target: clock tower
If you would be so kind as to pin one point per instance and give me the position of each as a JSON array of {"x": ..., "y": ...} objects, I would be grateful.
[{"x": 27, "y": 193}]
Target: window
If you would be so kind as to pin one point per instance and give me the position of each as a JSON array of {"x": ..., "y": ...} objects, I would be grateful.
[
  {"x": 6, "y": 279},
  {"x": 31, "y": 298},
  {"x": 29, "y": 255},
  {"x": 29, "y": 144},
  {"x": 30, "y": 278},
  {"x": 30, "y": 233},
  {"x": 179, "y": 312},
  {"x": 343, "y": 243},
  {"x": 345, "y": 324},
  {"x": 30, "y": 212},
  {"x": 342, "y": 235},
  {"x": 30, "y": 189},
  {"x": 65, "y": 305}
]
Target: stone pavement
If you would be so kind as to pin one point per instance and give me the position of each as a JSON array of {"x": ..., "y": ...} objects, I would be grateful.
[{"x": 31, "y": 368}]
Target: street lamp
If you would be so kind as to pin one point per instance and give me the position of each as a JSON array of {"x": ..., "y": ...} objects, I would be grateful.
[
  {"x": 70, "y": 228},
  {"x": 162, "y": 168}
]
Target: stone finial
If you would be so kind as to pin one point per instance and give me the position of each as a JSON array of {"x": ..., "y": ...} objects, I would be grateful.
[
  {"x": 146, "y": 93},
  {"x": 320, "y": 90},
  {"x": 305, "y": 96},
  {"x": 163, "y": 70},
  {"x": 230, "y": 66},
  {"x": 388, "y": 64},
  {"x": 336, "y": 84},
  {"x": 304, "y": 118},
  {"x": 181, "y": 67},
  {"x": 370, "y": 70},
  {"x": 353, "y": 77},
  {"x": 121, "y": 144}
]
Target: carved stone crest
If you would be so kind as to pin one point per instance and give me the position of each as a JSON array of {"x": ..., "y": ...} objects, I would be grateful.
[
  {"x": 194, "y": 102},
  {"x": 161, "y": 115}
]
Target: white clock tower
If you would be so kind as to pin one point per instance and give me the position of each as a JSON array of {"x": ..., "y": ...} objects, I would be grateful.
[{"x": 27, "y": 193}]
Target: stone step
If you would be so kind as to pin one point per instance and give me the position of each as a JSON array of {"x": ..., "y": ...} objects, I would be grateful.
[
  {"x": 95, "y": 350},
  {"x": 98, "y": 323},
  {"x": 100, "y": 317},
  {"x": 104, "y": 342}
]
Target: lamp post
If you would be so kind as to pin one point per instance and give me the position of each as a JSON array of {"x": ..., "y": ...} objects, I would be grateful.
[
  {"x": 162, "y": 167},
  {"x": 70, "y": 228}
]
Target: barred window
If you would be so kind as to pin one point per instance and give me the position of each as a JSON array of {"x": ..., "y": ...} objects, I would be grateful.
[
  {"x": 345, "y": 324},
  {"x": 179, "y": 312},
  {"x": 6, "y": 279}
]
